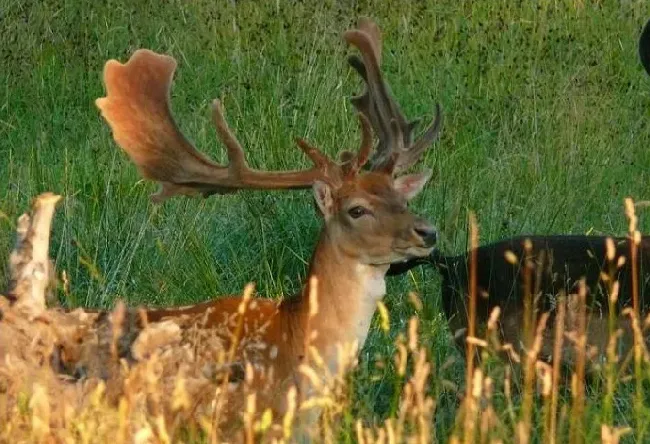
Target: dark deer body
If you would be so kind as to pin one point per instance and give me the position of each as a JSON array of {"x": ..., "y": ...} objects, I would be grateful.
[{"x": 559, "y": 264}]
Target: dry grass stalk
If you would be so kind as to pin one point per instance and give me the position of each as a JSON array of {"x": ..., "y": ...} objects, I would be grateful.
[
  {"x": 635, "y": 237},
  {"x": 153, "y": 382},
  {"x": 579, "y": 338},
  {"x": 29, "y": 264},
  {"x": 614, "y": 333},
  {"x": 523, "y": 426},
  {"x": 470, "y": 408},
  {"x": 416, "y": 406},
  {"x": 612, "y": 435},
  {"x": 557, "y": 358},
  {"x": 126, "y": 370},
  {"x": 236, "y": 337}
]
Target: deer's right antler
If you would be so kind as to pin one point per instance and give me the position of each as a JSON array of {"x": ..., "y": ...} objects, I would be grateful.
[
  {"x": 137, "y": 109},
  {"x": 396, "y": 151}
]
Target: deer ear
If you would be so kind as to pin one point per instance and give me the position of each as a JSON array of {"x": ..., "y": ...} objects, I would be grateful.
[
  {"x": 411, "y": 184},
  {"x": 323, "y": 196}
]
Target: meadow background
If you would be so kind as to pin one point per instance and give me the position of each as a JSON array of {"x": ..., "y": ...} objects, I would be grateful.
[{"x": 546, "y": 130}]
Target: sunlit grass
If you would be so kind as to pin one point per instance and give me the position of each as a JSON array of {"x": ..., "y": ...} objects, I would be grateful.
[{"x": 545, "y": 131}]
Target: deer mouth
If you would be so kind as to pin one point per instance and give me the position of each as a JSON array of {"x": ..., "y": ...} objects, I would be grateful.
[{"x": 413, "y": 252}]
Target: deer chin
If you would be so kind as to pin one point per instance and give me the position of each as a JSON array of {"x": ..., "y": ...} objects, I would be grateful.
[
  {"x": 402, "y": 255},
  {"x": 414, "y": 252}
]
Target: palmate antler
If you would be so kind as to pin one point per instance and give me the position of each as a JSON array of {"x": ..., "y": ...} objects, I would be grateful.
[
  {"x": 137, "y": 109},
  {"x": 395, "y": 151}
]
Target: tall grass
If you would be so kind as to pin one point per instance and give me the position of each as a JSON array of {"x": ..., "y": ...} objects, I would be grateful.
[{"x": 545, "y": 131}]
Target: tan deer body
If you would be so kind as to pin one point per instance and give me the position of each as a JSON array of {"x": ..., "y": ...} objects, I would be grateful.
[
  {"x": 367, "y": 225},
  {"x": 348, "y": 289}
]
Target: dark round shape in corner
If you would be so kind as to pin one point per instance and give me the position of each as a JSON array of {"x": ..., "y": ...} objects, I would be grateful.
[{"x": 644, "y": 47}]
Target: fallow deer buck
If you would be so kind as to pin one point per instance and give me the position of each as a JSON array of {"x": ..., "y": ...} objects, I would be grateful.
[
  {"x": 367, "y": 225},
  {"x": 555, "y": 263}
]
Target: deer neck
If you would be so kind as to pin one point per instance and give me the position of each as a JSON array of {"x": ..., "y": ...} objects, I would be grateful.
[{"x": 347, "y": 294}]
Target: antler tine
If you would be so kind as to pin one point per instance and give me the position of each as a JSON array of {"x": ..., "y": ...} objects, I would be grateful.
[
  {"x": 375, "y": 102},
  {"x": 381, "y": 109},
  {"x": 316, "y": 156},
  {"x": 332, "y": 172},
  {"x": 366, "y": 141},
  {"x": 136, "y": 107},
  {"x": 410, "y": 156},
  {"x": 350, "y": 163},
  {"x": 235, "y": 151},
  {"x": 357, "y": 162}
]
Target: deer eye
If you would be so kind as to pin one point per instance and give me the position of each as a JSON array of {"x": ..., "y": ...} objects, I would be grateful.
[{"x": 357, "y": 212}]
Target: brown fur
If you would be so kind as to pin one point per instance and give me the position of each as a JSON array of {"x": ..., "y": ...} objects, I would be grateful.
[{"x": 350, "y": 281}]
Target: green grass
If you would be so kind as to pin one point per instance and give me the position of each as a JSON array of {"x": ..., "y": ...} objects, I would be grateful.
[{"x": 546, "y": 130}]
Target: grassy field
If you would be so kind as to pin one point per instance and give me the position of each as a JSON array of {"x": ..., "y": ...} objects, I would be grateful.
[{"x": 546, "y": 130}]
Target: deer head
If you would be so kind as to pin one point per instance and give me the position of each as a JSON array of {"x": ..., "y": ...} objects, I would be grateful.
[{"x": 369, "y": 217}]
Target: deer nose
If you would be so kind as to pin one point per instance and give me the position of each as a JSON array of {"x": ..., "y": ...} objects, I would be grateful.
[{"x": 427, "y": 233}]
